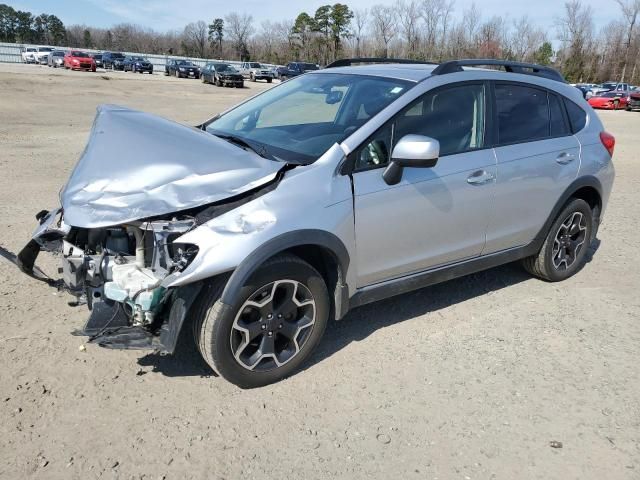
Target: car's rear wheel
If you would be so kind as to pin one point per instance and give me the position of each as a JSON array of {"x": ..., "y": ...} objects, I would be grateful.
[
  {"x": 269, "y": 80},
  {"x": 564, "y": 251},
  {"x": 271, "y": 327}
]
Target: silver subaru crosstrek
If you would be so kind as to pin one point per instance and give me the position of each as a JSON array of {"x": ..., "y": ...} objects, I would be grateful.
[{"x": 337, "y": 188}]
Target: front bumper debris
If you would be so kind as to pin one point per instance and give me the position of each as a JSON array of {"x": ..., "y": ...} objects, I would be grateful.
[{"x": 118, "y": 273}]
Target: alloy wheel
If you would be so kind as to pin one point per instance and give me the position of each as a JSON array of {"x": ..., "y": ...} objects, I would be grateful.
[
  {"x": 272, "y": 325},
  {"x": 569, "y": 241}
]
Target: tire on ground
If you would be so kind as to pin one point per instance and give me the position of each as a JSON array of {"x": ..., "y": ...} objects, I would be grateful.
[
  {"x": 212, "y": 322},
  {"x": 541, "y": 265}
]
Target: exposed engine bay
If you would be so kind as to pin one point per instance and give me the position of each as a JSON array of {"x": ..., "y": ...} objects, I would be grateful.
[{"x": 118, "y": 272}]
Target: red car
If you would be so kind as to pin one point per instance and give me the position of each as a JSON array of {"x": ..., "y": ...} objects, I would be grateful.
[
  {"x": 609, "y": 101},
  {"x": 77, "y": 60}
]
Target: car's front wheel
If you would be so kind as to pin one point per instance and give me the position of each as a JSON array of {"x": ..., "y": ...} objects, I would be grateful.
[
  {"x": 271, "y": 327},
  {"x": 564, "y": 251}
]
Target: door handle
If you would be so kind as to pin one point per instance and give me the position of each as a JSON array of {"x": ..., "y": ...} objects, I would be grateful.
[
  {"x": 480, "y": 177},
  {"x": 565, "y": 158}
]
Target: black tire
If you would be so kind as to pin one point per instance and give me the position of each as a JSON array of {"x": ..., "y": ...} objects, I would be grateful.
[
  {"x": 269, "y": 80},
  {"x": 214, "y": 332},
  {"x": 543, "y": 264}
]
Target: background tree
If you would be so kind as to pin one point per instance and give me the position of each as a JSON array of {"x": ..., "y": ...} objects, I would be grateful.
[
  {"x": 195, "y": 39},
  {"x": 340, "y": 21},
  {"x": 384, "y": 24},
  {"x": 360, "y": 20},
  {"x": 239, "y": 27},
  {"x": 216, "y": 34},
  {"x": 543, "y": 54},
  {"x": 409, "y": 20},
  {"x": 86, "y": 39},
  {"x": 575, "y": 31},
  {"x": 302, "y": 31},
  {"x": 630, "y": 10}
]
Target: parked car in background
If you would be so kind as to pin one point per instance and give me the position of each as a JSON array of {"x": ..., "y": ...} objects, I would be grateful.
[
  {"x": 293, "y": 69},
  {"x": 182, "y": 69},
  {"x": 112, "y": 60},
  {"x": 56, "y": 59},
  {"x": 137, "y": 64},
  {"x": 325, "y": 193},
  {"x": 97, "y": 57},
  {"x": 609, "y": 101},
  {"x": 27, "y": 54},
  {"x": 634, "y": 100},
  {"x": 620, "y": 88},
  {"x": 78, "y": 60},
  {"x": 41, "y": 55},
  {"x": 255, "y": 71},
  {"x": 222, "y": 74}
]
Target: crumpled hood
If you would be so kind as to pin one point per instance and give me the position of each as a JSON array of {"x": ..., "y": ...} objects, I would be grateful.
[{"x": 139, "y": 165}]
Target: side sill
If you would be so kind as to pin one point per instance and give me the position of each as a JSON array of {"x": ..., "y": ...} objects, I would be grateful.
[{"x": 391, "y": 288}]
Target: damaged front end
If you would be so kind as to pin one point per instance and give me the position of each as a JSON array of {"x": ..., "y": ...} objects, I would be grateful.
[
  {"x": 119, "y": 273},
  {"x": 122, "y": 216}
]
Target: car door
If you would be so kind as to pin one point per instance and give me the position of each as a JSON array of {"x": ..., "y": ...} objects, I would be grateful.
[
  {"x": 434, "y": 216},
  {"x": 538, "y": 158}
]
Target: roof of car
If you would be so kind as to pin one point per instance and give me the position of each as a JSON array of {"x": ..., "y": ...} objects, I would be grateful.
[{"x": 414, "y": 71}]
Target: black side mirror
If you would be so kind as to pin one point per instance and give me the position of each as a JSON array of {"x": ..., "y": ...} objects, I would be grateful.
[{"x": 416, "y": 151}]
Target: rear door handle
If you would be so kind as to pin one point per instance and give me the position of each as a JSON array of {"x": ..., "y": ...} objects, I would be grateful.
[
  {"x": 480, "y": 177},
  {"x": 565, "y": 158}
]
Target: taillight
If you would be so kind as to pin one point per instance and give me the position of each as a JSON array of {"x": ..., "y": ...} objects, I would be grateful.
[{"x": 609, "y": 142}]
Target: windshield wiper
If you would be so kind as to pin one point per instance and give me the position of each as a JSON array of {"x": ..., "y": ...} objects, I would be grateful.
[{"x": 262, "y": 151}]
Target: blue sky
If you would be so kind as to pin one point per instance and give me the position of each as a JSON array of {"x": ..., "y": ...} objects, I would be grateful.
[{"x": 171, "y": 14}]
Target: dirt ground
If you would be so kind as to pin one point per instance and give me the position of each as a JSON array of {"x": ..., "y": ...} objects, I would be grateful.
[{"x": 471, "y": 379}]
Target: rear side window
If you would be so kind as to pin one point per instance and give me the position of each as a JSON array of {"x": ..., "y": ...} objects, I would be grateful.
[
  {"x": 577, "y": 116},
  {"x": 558, "y": 124},
  {"x": 523, "y": 114}
]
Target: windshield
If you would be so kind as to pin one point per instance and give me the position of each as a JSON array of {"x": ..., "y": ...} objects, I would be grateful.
[
  {"x": 184, "y": 63},
  {"x": 79, "y": 54},
  {"x": 608, "y": 94},
  {"x": 309, "y": 66},
  {"x": 138, "y": 59},
  {"x": 97, "y": 57},
  {"x": 225, "y": 68},
  {"x": 45, "y": 49},
  {"x": 117, "y": 55},
  {"x": 255, "y": 65},
  {"x": 301, "y": 119},
  {"x": 29, "y": 49},
  {"x": 58, "y": 53},
  {"x": 610, "y": 86}
]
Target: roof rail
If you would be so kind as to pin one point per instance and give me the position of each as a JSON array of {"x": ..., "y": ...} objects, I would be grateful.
[
  {"x": 513, "y": 67},
  {"x": 347, "y": 62}
]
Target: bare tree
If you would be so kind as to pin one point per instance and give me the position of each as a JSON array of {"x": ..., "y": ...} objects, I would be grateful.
[
  {"x": 360, "y": 19},
  {"x": 446, "y": 12},
  {"x": 630, "y": 10},
  {"x": 384, "y": 25},
  {"x": 196, "y": 36},
  {"x": 575, "y": 30},
  {"x": 409, "y": 18},
  {"x": 239, "y": 27}
]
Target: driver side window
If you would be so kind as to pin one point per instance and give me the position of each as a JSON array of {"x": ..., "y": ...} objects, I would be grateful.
[{"x": 454, "y": 116}]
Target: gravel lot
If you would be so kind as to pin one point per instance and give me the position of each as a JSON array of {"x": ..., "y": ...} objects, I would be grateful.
[{"x": 471, "y": 379}]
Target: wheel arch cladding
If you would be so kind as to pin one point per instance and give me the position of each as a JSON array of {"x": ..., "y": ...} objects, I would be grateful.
[
  {"x": 321, "y": 249},
  {"x": 587, "y": 188}
]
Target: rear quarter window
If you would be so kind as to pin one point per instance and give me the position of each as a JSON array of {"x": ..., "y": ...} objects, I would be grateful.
[{"x": 577, "y": 116}]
